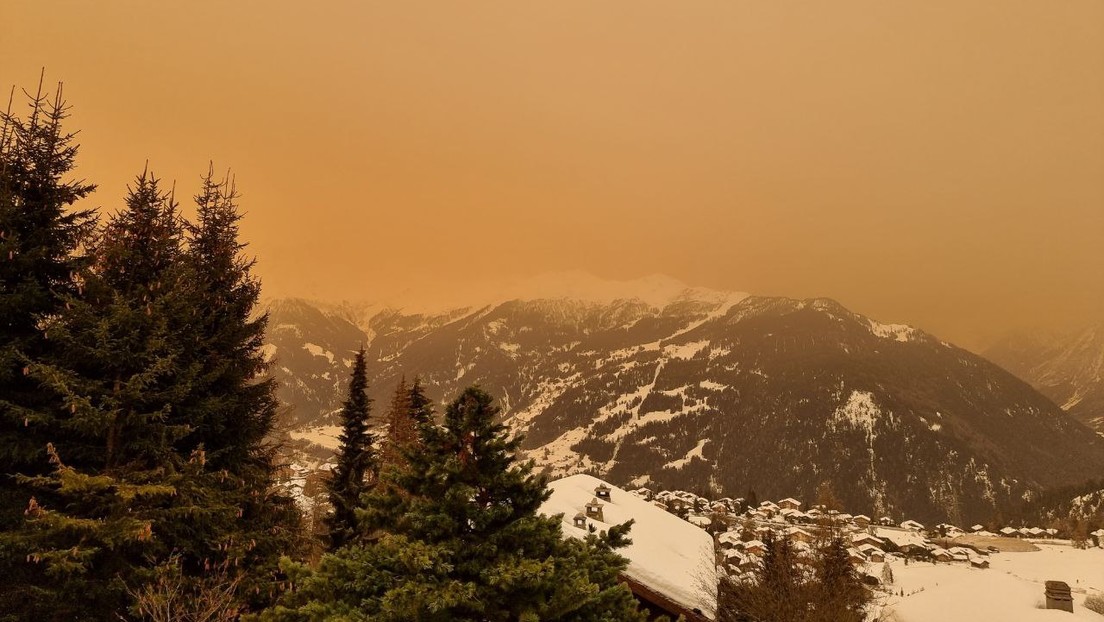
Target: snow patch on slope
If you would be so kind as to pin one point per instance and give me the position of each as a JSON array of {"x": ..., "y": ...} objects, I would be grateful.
[
  {"x": 685, "y": 351},
  {"x": 696, "y": 452},
  {"x": 859, "y": 412},
  {"x": 896, "y": 332},
  {"x": 317, "y": 350}
]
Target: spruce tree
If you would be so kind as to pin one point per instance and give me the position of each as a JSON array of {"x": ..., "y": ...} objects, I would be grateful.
[
  {"x": 41, "y": 236},
  {"x": 421, "y": 407},
  {"x": 116, "y": 479},
  {"x": 355, "y": 459},
  {"x": 464, "y": 541},
  {"x": 233, "y": 407},
  {"x": 838, "y": 594},
  {"x": 403, "y": 435}
]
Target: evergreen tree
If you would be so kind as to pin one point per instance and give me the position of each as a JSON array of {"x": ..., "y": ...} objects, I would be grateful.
[
  {"x": 233, "y": 407},
  {"x": 752, "y": 500},
  {"x": 421, "y": 407},
  {"x": 41, "y": 236},
  {"x": 887, "y": 574},
  {"x": 465, "y": 542},
  {"x": 114, "y": 371},
  {"x": 838, "y": 594},
  {"x": 356, "y": 461},
  {"x": 402, "y": 431}
]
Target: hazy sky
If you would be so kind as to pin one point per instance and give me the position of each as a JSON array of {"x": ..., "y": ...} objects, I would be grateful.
[{"x": 936, "y": 163}]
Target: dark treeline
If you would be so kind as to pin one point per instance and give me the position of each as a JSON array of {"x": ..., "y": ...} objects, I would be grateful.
[
  {"x": 1055, "y": 507},
  {"x": 136, "y": 417}
]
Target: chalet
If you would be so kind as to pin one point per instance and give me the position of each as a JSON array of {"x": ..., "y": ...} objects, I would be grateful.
[
  {"x": 977, "y": 528},
  {"x": 855, "y": 556},
  {"x": 977, "y": 562},
  {"x": 861, "y": 520},
  {"x": 740, "y": 561},
  {"x": 796, "y": 534},
  {"x": 912, "y": 525},
  {"x": 1097, "y": 536},
  {"x": 670, "y": 561},
  {"x": 910, "y": 549},
  {"x": 789, "y": 503},
  {"x": 754, "y": 547},
  {"x": 886, "y": 521},
  {"x": 729, "y": 539},
  {"x": 872, "y": 553},
  {"x": 942, "y": 555},
  {"x": 960, "y": 554},
  {"x": 699, "y": 520},
  {"x": 789, "y": 515},
  {"x": 1009, "y": 532},
  {"x": 859, "y": 539}
]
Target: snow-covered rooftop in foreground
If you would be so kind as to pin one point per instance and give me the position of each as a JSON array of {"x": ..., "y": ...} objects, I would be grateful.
[
  {"x": 1009, "y": 591},
  {"x": 668, "y": 554}
]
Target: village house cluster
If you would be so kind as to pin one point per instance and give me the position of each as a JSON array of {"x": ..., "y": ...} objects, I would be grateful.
[{"x": 739, "y": 529}]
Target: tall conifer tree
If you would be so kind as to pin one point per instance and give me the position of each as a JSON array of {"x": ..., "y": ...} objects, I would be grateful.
[
  {"x": 403, "y": 434},
  {"x": 116, "y": 476},
  {"x": 41, "y": 235},
  {"x": 233, "y": 406},
  {"x": 356, "y": 462},
  {"x": 421, "y": 407}
]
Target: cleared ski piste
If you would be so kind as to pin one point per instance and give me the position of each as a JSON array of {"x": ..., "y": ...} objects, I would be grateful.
[{"x": 1010, "y": 590}]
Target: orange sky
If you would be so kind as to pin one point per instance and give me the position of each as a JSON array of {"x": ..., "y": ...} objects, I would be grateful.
[{"x": 936, "y": 163}]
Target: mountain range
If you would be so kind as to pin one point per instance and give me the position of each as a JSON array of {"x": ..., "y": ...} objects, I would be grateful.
[
  {"x": 1067, "y": 367},
  {"x": 709, "y": 391}
]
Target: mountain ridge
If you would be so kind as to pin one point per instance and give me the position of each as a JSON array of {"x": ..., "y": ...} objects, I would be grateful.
[{"x": 731, "y": 392}]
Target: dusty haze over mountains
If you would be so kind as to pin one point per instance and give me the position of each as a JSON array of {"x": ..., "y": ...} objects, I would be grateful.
[{"x": 936, "y": 163}]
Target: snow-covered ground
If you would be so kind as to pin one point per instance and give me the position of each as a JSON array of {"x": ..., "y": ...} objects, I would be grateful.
[
  {"x": 1011, "y": 590},
  {"x": 323, "y": 435}
]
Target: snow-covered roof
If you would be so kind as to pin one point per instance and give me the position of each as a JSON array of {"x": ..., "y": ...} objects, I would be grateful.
[
  {"x": 729, "y": 537},
  {"x": 900, "y": 537},
  {"x": 667, "y": 554},
  {"x": 700, "y": 521}
]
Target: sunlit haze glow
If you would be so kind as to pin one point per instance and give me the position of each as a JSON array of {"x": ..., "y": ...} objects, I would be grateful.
[{"x": 934, "y": 163}]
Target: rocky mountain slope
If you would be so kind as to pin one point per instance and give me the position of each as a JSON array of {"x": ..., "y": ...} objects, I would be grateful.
[
  {"x": 1066, "y": 367},
  {"x": 712, "y": 390}
]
